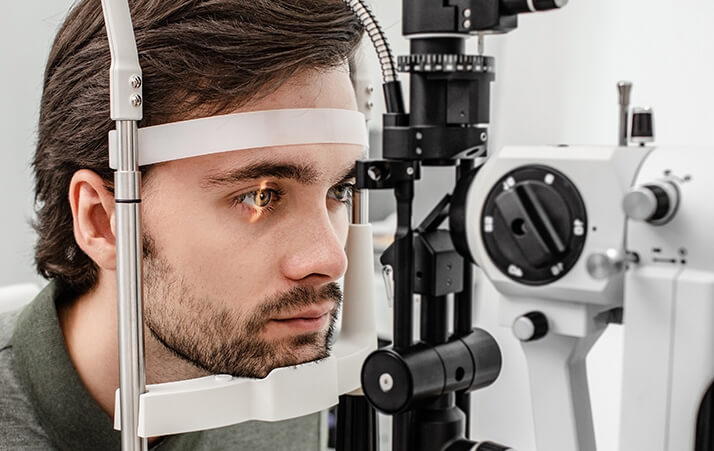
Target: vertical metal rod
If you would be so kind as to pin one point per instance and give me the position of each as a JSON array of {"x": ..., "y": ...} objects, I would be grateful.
[
  {"x": 132, "y": 379},
  {"x": 624, "y": 88},
  {"x": 463, "y": 308},
  {"x": 404, "y": 270},
  {"x": 434, "y": 320},
  {"x": 360, "y": 207},
  {"x": 403, "y": 298}
]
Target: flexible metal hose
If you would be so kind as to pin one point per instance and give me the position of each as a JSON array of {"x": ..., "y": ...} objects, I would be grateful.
[{"x": 379, "y": 40}]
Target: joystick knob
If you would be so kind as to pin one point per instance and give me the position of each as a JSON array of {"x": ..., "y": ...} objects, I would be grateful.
[{"x": 655, "y": 203}]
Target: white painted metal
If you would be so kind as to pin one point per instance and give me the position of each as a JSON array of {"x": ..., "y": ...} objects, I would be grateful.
[
  {"x": 669, "y": 309},
  {"x": 248, "y": 130},
  {"x": 556, "y": 364}
]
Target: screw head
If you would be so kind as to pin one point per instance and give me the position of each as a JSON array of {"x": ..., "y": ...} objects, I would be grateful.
[
  {"x": 484, "y": 136},
  {"x": 410, "y": 171},
  {"x": 135, "y": 81},
  {"x": 136, "y": 100},
  {"x": 386, "y": 382},
  {"x": 467, "y": 23},
  {"x": 467, "y": 12}
]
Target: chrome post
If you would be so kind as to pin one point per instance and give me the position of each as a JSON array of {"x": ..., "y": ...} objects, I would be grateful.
[{"x": 132, "y": 379}]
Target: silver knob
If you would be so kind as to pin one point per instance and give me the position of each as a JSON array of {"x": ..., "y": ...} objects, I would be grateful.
[
  {"x": 655, "y": 203},
  {"x": 602, "y": 265}
]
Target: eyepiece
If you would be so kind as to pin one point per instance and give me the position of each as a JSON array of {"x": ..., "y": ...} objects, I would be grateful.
[{"x": 530, "y": 6}]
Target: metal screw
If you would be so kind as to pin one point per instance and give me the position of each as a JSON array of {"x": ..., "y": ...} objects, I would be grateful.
[
  {"x": 418, "y": 151},
  {"x": 370, "y": 105},
  {"x": 484, "y": 136},
  {"x": 467, "y": 23},
  {"x": 135, "y": 81},
  {"x": 419, "y": 136},
  {"x": 135, "y": 100},
  {"x": 410, "y": 171},
  {"x": 467, "y": 12},
  {"x": 369, "y": 89}
]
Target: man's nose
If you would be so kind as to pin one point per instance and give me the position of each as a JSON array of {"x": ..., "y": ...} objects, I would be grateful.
[{"x": 315, "y": 252}]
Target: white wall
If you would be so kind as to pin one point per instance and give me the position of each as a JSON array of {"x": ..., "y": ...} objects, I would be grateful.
[{"x": 26, "y": 32}]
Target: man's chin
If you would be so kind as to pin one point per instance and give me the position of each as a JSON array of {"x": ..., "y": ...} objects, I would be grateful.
[{"x": 302, "y": 349}]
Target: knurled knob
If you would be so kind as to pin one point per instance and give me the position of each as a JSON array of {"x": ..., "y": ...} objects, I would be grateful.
[{"x": 655, "y": 203}]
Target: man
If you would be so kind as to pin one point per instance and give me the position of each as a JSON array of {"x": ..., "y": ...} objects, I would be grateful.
[{"x": 241, "y": 249}]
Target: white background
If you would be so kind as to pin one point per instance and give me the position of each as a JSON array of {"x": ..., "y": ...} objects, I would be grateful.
[{"x": 555, "y": 83}]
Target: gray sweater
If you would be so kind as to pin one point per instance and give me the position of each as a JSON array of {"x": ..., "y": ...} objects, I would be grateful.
[{"x": 45, "y": 406}]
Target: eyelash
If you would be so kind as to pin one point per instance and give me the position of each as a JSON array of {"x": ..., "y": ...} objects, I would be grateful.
[{"x": 276, "y": 194}]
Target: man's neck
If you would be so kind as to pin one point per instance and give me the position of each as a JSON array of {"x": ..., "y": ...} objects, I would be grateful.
[{"x": 89, "y": 325}]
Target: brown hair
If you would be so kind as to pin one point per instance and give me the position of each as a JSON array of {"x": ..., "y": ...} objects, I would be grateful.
[{"x": 198, "y": 58}]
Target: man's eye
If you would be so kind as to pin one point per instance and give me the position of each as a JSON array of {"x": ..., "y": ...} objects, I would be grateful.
[
  {"x": 259, "y": 199},
  {"x": 342, "y": 193}
]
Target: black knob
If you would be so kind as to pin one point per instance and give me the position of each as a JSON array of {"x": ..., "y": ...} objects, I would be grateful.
[
  {"x": 534, "y": 224},
  {"x": 642, "y": 125},
  {"x": 531, "y": 326}
]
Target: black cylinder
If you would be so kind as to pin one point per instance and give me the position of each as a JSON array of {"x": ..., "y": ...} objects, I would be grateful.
[
  {"x": 436, "y": 427},
  {"x": 356, "y": 425},
  {"x": 487, "y": 358},
  {"x": 393, "y": 380}
]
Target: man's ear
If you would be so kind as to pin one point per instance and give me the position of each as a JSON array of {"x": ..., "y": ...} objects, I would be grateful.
[{"x": 93, "y": 217}]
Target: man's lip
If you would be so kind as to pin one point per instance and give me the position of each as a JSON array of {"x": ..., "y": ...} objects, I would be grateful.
[{"x": 311, "y": 312}]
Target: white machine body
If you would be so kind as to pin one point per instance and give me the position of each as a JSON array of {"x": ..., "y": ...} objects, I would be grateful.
[
  {"x": 668, "y": 296},
  {"x": 574, "y": 303},
  {"x": 669, "y": 308}
]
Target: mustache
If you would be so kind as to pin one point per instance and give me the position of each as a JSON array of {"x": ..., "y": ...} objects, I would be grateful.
[{"x": 294, "y": 298}]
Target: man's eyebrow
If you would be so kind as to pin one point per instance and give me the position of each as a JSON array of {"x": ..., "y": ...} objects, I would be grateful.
[
  {"x": 303, "y": 173},
  {"x": 346, "y": 175}
]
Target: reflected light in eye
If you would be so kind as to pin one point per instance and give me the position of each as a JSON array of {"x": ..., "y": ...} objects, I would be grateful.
[{"x": 258, "y": 212}]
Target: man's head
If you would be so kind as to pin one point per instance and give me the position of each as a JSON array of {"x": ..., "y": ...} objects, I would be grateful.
[{"x": 242, "y": 249}]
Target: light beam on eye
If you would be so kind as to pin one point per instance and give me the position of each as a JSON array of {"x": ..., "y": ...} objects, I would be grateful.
[{"x": 259, "y": 211}]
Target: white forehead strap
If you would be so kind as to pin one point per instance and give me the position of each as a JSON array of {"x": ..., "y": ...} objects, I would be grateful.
[{"x": 250, "y": 130}]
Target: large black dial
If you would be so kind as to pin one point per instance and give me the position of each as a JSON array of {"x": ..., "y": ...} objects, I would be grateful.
[{"x": 534, "y": 225}]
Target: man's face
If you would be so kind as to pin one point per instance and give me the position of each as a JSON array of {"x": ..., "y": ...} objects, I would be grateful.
[{"x": 243, "y": 248}]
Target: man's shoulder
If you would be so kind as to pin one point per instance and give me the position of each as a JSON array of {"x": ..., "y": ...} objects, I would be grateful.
[
  {"x": 19, "y": 426},
  {"x": 8, "y": 320}
]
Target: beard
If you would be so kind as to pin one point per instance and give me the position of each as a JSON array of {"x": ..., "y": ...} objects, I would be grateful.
[{"x": 222, "y": 340}]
